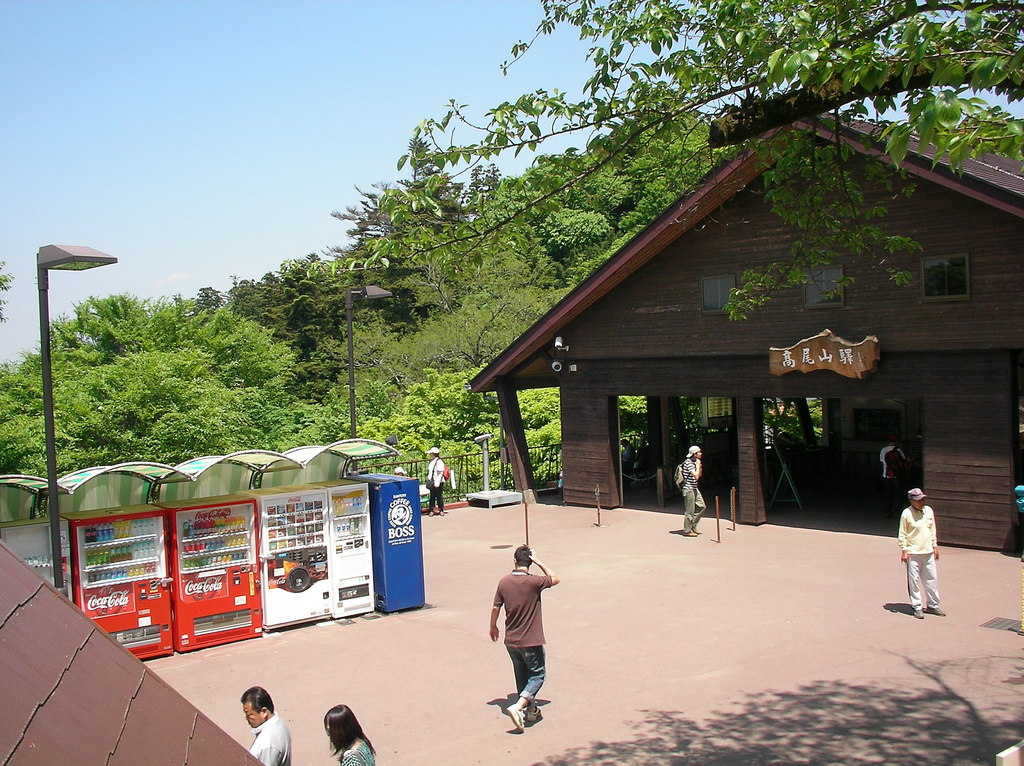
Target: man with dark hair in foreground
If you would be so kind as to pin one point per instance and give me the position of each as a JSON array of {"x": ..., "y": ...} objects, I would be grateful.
[
  {"x": 273, "y": 745},
  {"x": 519, "y": 592}
]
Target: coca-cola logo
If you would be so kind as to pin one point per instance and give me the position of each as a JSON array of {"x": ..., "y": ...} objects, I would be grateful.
[
  {"x": 202, "y": 587},
  {"x": 118, "y": 599},
  {"x": 216, "y": 513}
]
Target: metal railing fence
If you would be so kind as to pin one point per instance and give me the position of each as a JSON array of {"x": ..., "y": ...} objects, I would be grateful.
[{"x": 467, "y": 470}]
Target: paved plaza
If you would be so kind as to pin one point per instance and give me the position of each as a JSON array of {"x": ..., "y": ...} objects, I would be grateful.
[{"x": 777, "y": 645}]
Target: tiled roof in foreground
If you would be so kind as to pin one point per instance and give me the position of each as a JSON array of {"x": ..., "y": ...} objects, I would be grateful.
[{"x": 72, "y": 695}]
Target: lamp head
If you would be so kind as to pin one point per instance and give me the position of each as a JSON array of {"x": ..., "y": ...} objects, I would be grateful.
[{"x": 71, "y": 258}]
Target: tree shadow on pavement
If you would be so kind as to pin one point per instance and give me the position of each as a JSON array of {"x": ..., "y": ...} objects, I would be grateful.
[{"x": 832, "y": 723}]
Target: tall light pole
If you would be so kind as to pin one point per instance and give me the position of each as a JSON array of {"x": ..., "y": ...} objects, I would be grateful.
[
  {"x": 56, "y": 258},
  {"x": 352, "y": 294}
]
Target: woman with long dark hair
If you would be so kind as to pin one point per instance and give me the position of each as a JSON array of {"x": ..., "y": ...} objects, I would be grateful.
[{"x": 351, "y": 747}]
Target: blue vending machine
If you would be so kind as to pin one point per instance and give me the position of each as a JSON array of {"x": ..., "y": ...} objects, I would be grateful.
[{"x": 397, "y": 542}]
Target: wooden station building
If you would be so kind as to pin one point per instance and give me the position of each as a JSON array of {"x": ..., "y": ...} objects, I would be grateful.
[{"x": 940, "y": 366}]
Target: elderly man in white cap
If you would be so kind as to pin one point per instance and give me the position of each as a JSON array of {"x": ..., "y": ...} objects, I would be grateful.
[
  {"x": 436, "y": 476},
  {"x": 686, "y": 477},
  {"x": 919, "y": 550}
]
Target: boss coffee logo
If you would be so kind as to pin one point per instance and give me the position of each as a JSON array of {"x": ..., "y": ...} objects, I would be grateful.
[{"x": 400, "y": 519}]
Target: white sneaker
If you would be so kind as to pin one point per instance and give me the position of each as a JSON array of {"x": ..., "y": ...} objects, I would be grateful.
[
  {"x": 517, "y": 717},
  {"x": 533, "y": 714}
]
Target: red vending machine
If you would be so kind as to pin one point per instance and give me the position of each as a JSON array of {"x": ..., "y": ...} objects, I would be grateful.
[
  {"x": 119, "y": 575},
  {"x": 216, "y": 579}
]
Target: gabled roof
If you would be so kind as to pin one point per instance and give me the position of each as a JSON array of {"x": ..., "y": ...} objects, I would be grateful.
[
  {"x": 993, "y": 180},
  {"x": 72, "y": 694}
]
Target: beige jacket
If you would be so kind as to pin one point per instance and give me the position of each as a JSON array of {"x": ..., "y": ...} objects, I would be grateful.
[{"x": 917, "y": 530}]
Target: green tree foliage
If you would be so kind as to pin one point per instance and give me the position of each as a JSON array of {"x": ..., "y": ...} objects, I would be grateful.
[
  {"x": 751, "y": 67},
  {"x": 148, "y": 380},
  {"x": 782, "y": 419},
  {"x": 5, "y": 285},
  {"x": 265, "y": 363},
  {"x": 439, "y": 411},
  {"x": 728, "y": 73}
]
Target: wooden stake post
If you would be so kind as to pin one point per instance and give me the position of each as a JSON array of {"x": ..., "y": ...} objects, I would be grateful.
[{"x": 526, "y": 517}]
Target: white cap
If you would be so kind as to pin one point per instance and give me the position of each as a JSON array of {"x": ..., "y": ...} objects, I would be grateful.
[
  {"x": 693, "y": 450},
  {"x": 433, "y": 451},
  {"x": 399, "y": 471}
]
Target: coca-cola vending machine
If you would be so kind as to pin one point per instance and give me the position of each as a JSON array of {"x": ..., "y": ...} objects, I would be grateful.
[
  {"x": 216, "y": 578},
  {"x": 119, "y": 575}
]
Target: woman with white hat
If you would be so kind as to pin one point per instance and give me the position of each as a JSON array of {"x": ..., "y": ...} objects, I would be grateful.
[{"x": 436, "y": 470}]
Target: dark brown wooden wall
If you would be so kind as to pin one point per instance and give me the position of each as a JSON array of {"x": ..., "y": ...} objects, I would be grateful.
[
  {"x": 656, "y": 312},
  {"x": 970, "y": 437},
  {"x": 589, "y": 453},
  {"x": 969, "y": 426},
  {"x": 649, "y": 337},
  {"x": 750, "y": 500}
]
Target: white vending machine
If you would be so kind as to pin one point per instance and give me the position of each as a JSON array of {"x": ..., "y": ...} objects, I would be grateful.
[
  {"x": 351, "y": 552},
  {"x": 294, "y": 559},
  {"x": 29, "y": 540}
]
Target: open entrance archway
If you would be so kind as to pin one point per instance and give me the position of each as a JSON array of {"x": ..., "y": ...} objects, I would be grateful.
[
  {"x": 821, "y": 464},
  {"x": 654, "y": 433}
]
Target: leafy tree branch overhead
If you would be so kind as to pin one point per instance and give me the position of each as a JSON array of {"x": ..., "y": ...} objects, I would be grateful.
[
  {"x": 5, "y": 285},
  {"x": 721, "y": 74}
]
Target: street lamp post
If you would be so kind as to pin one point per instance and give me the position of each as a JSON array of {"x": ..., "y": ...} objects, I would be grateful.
[
  {"x": 56, "y": 258},
  {"x": 352, "y": 294}
]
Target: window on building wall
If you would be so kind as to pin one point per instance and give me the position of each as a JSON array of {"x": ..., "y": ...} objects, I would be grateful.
[
  {"x": 824, "y": 287},
  {"x": 716, "y": 291},
  {"x": 945, "y": 278}
]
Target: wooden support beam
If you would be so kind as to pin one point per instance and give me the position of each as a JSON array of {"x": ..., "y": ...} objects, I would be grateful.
[
  {"x": 515, "y": 433},
  {"x": 750, "y": 433}
]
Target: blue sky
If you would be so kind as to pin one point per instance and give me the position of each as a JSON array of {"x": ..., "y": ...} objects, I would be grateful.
[{"x": 198, "y": 140}]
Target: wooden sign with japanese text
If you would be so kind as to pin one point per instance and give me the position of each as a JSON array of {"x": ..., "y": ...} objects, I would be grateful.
[{"x": 826, "y": 351}]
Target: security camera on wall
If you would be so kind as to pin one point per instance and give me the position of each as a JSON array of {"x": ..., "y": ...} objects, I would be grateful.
[
  {"x": 560, "y": 344},
  {"x": 556, "y": 365},
  {"x": 482, "y": 438}
]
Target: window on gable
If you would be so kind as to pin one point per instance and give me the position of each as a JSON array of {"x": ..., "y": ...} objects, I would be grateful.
[
  {"x": 945, "y": 278},
  {"x": 715, "y": 291},
  {"x": 824, "y": 287}
]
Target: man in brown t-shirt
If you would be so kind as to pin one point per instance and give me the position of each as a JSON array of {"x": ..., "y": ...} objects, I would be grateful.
[{"x": 519, "y": 592}]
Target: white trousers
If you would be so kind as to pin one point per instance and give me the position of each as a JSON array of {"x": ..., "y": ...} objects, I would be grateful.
[{"x": 921, "y": 570}]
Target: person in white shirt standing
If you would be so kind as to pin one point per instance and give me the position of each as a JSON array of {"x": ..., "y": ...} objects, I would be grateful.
[
  {"x": 436, "y": 470},
  {"x": 919, "y": 546},
  {"x": 273, "y": 744}
]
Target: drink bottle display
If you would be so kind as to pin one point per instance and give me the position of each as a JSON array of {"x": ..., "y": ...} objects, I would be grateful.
[
  {"x": 294, "y": 558},
  {"x": 122, "y": 551},
  {"x": 120, "y": 575},
  {"x": 216, "y": 578}
]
